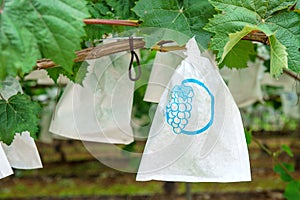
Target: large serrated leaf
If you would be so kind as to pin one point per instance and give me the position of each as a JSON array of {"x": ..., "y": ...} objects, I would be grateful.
[
  {"x": 33, "y": 29},
  {"x": 268, "y": 16},
  {"x": 184, "y": 17},
  {"x": 287, "y": 28},
  {"x": 18, "y": 114}
]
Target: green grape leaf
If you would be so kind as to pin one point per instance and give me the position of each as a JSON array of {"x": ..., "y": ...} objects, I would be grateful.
[
  {"x": 186, "y": 17},
  {"x": 287, "y": 32},
  {"x": 77, "y": 75},
  {"x": 292, "y": 190},
  {"x": 278, "y": 57},
  {"x": 282, "y": 171},
  {"x": 122, "y": 8},
  {"x": 234, "y": 38},
  {"x": 287, "y": 150},
  {"x": 30, "y": 30},
  {"x": 18, "y": 114},
  {"x": 267, "y": 16},
  {"x": 239, "y": 55},
  {"x": 102, "y": 11},
  {"x": 54, "y": 73}
]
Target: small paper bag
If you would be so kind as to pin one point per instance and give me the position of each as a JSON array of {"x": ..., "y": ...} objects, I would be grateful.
[
  {"x": 5, "y": 169},
  {"x": 100, "y": 110},
  {"x": 197, "y": 133},
  {"x": 245, "y": 84},
  {"x": 22, "y": 153}
]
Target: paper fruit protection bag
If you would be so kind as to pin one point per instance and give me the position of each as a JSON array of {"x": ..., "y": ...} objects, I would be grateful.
[
  {"x": 244, "y": 84},
  {"x": 22, "y": 153},
  {"x": 5, "y": 168},
  {"x": 100, "y": 110},
  {"x": 197, "y": 133}
]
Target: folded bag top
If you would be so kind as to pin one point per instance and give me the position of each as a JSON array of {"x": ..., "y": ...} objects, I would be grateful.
[{"x": 197, "y": 133}]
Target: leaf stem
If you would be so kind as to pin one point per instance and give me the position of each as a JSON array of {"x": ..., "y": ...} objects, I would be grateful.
[
  {"x": 286, "y": 170},
  {"x": 263, "y": 147},
  {"x": 273, "y": 154},
  {"x": 2, "y": 6},
  {"x": 1, "y": 97}
]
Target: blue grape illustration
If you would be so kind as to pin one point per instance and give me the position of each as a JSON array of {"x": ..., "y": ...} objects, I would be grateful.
[{"x": 178, "y": 109}]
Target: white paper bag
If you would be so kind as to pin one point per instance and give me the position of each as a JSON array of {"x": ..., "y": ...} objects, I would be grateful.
[
  {"x": 164, "y": 66},
  {"x": 5, "y": 169},
  {"x": 197, "y": 133},
  {"x": 289, "y": 93},
  {"x": 245, "y": 84},
  {"x": 22, "y": 153},
  {"x": 42, "y": 78},
  {"x": 10, "y": 87},
  {"x": 100, "y": 111}
]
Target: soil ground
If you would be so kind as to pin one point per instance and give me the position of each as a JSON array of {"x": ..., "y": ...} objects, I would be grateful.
[{"x": 71, "y": 172}]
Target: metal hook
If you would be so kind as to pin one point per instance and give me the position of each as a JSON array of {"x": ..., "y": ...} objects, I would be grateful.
[{"x": 133, "y": 54}]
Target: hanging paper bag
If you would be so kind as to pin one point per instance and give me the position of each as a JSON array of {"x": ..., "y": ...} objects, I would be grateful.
[
  {"x": 245, "y": 84},
  {"x": 163, "y": 68},
  {"x": 289, "y": 93},
  {"x": 22, "y": 153},
  {"x": 5, "y": 169},
  {"x": 197, "y": 133},
  {"x": 100, "y": 110}
]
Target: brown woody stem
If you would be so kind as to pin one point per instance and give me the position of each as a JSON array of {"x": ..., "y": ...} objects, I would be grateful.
[
  {"x": 112, "y": 22},
  {"x": 2, "y": 6},
  {"x": 257, "y": 36}
]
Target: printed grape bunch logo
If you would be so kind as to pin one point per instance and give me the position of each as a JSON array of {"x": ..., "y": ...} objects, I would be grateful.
[{"x": 179, "y": 107}]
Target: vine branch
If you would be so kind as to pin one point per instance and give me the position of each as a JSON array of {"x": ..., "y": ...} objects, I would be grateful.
[
  {"x": 83, "y": 54},
  {"x": 296, "y": 77},
  {"x": 112, "y": 22},
  {"x": 96, "y": 52},
  {"x": 257, "y": 36}
]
